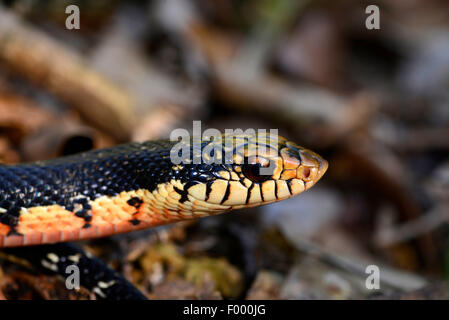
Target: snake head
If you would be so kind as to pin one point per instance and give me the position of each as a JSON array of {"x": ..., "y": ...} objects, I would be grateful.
[{"x": 252, "y": 170}]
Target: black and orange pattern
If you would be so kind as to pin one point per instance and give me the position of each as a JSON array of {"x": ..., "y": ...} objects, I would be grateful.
[{"x": 135, "y": 186}]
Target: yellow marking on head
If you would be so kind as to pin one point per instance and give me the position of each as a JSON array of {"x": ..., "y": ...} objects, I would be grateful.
[
  {"x": 278, "y": 169},
  {"x": 174, "y": 197},
  {"x": 282, "y": 189},
  {"x": 247, "y": 182},
  {"x": 198, "y": 191},
  {"x": 218, "y": 190},
  {"x": 297, "y": 186},
  {"x": 237, "y": 192},
  {"x": 162, "y": 190},
  {"x": 268, "y": 189},
  {"x": 234, "y": 176},
  {"x": 288, "y": 174},
  {"x": 255, "y": 196},
  {"x": 224, "y": 174}
]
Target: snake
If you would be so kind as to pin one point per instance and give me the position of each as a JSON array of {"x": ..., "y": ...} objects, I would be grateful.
[{"x": 142, "y": 185}]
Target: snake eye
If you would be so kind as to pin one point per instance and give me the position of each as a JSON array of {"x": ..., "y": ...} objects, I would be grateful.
[{"x": 252, "y": 169}]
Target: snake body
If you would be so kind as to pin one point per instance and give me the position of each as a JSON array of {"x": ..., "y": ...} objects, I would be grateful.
[
  {"x": 94, "y": 274},
  {"x": 137, "y": 185}
]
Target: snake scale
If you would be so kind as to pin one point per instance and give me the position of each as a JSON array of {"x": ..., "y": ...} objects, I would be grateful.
[{"x": 137, "y": 185}]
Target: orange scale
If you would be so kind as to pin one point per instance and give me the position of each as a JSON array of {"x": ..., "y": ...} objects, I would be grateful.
[
  {"x": 115, "y": 218},
  {"x": 118, "y": 201},
  {"x": 123, "y": 226},
  {"x": 169, "y": 213},
  {"x": 100, "y": 211},
  {"x": 89, "y": 232},
  {"x": 111, "y": 207},
  {"x": 108, "y": 218},
  {"x": 46, "y": 216},
  {"x": 145, "y": 213},
  {"x": 129, "y": 209},
  {"x": 75, "y": 222},
  {"x": 142, "y": 225},
  {"x": 106, "y": 229},
  {"x": 32, "y": 225},
  {"x": 68, "y": 235},
  {"x": 154, "y": 221},
  {"x": 109, "y": 210},
  {"x": 44, "y": 227},
  {"x": 185, "y": 216},
  {"x": 24, "y": 229},
  {"x": 53, "y": 210},
  {"x": 13, "y": 241},
  {"x": 4, "y": 229},
  {"x": 33, "y": 237},
  {"x": 60, "y": 225},
  {"x": 27, "y": 217},
  {"x": 100, "y": 220},
  {"x": 52, "y": 236},
  {"x": 123, "y": 214}
]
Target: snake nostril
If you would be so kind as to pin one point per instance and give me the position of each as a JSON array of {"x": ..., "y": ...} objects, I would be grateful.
[{"x": 306, "y": 173}]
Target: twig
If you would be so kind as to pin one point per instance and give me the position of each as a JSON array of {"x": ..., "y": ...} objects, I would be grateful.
[
  {"x": 413, "y": 229},
  {"x": 48, "y": 63},
  {"x": 376, "y": 165},
  {"x": 241, "y": 85},
  {"x": 390, "y": 277}
]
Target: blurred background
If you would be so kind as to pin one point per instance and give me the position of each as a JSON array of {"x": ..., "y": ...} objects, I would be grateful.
[{"x": 374, "y": 103}]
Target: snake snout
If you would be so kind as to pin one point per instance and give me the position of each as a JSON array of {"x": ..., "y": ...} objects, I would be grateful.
[
  {"x": 312, "y": 167},
  {"x": 322, "y": 168}
]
